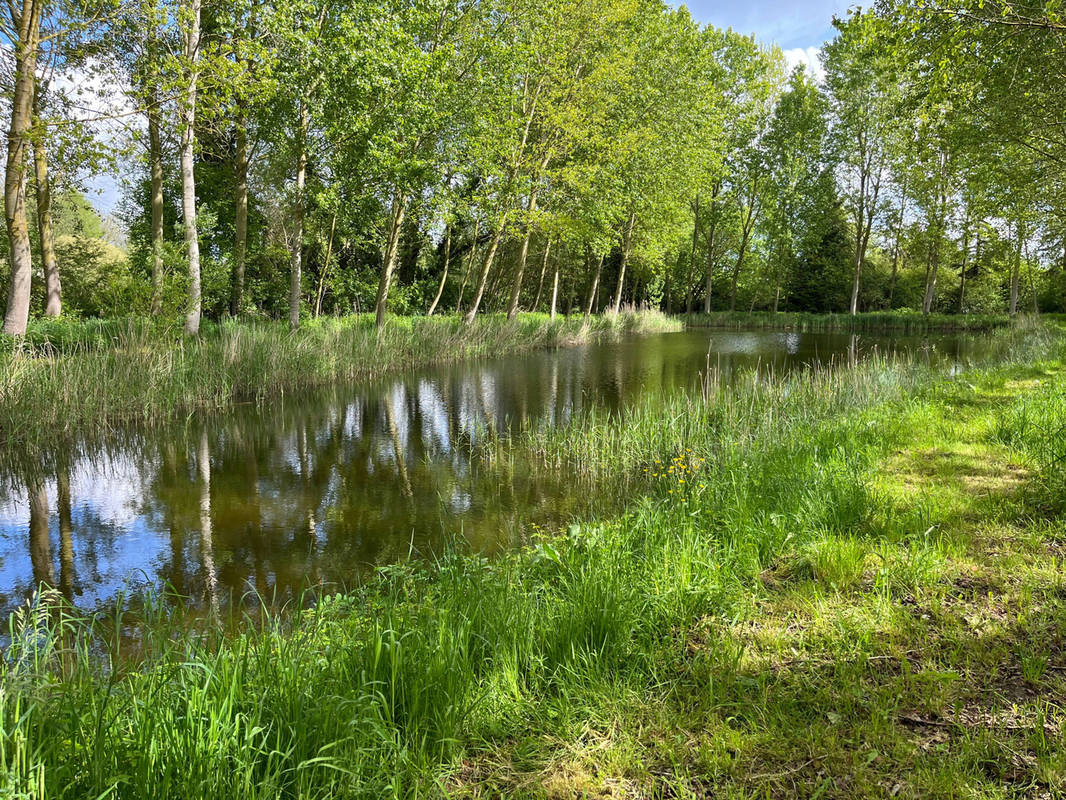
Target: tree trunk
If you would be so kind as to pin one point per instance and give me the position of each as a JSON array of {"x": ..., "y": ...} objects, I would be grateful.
[
  {"x": 469, "y": 266},
  {"x": 188, "y": 177},
  {"x": 486, "y": 267},
  {"x": 295, "y": 273},
  {"x": 711, "y": 231},
  {"x": 53, "y": 289},
  {"x": 627, "y": 244},
  {"x": 207, "y": 544},
  {"x": 896, "y": 252},
  {"x": 745, "y": 237},
  {"x": 240, "y": 244},
  {"x": 741, "y": 252},
  {"x": 444, "y": 274},
  {"x": 397, "y": 445},
  {"x": 594, "y": 287},
  {"x": 155, "y": 158},
  {"x": 516, "y": 289},
  {"x": 543, "y": 269},
  {"x": 66, "y": 533},
  {"x": 40, "y": 539},
  {"x": 321, "y": 293},
  {"x": 1016, "y": 270},
  {"x": 863, "y": 228},
  {"x": 555, "y": 288},
  {"x": 965, "y": 263},
  {"x": 493, "y": 283},
  {"x": 930, "y": 283},
  {"x": 930, "y": 286},
  {"x": 388, "y": 261},
  {"x": 860, "y": 256},
  {"x": 17, "y": 314},
  {"x": 692, "y": 256},
  {"x": 1032, "y": 281},
  {"x": 860, "y": 217}
]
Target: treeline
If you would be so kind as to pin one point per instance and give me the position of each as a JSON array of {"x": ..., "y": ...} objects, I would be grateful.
[{"x": 335, "y": 156}]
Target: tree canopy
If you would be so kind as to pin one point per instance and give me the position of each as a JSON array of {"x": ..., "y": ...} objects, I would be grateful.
[{"x": 337, "y": 156}]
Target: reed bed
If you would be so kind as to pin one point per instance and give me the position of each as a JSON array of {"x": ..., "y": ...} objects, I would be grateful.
[
  {"x": 756, "y": 406},
  {"x": 443, "y": 679},
  {"x": 899, "y": 322},
  {"x": 72, "y": 378}
]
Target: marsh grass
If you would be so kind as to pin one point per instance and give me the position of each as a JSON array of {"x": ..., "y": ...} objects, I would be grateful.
[
  {"x": 803, "y": 602},
  {"x": 68, "y": 378},
  {"x": 905, "y": 322}
]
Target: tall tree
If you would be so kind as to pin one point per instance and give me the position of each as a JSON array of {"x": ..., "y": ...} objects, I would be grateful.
[
  {"x": 23, "y": 25},
  {"x": 53, "y": 306},
  {"x": 796, "y": 156},
  {"x": 863, "y": 80},
  {"x": 190, "y": 19}
]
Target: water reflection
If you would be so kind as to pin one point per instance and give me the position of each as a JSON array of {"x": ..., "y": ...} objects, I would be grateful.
[{"x": 313, "y": 490}]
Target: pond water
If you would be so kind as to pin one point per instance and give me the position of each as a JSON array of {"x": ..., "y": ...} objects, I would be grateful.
[{"x": 265, "y": 501}]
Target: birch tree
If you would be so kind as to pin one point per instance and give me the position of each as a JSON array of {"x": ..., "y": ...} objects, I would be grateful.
[{"x": 862, "y": 81}]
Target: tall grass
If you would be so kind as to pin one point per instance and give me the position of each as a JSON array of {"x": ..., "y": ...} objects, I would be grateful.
[
  {"x": 395, "y": 689},
  {"x": 755, "y": 406},
  {"x": 905, "y": 322},
  {"x": 1037, "y": 425},
  {"x": 68, "y": 378}
]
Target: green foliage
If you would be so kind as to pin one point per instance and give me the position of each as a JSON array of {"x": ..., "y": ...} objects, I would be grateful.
[{"x": 619, "y": 129}]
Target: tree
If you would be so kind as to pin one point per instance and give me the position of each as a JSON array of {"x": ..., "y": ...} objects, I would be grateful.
[
  {"x": 863, "y": 82},
  {"x": 796, "y": 157},
  {"x": 53, "y": 286},
  {"x": 22, "y": 28},
  {"x": 190, "y": 20}
]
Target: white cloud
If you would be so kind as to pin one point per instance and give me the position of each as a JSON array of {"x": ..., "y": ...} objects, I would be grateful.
[{"x": 810, "y": 57}]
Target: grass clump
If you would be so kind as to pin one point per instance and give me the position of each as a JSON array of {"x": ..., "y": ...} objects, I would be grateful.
[{"x": 810, "y": 599}]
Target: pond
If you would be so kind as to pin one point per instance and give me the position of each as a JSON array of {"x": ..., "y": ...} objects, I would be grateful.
[{"x": 265, "y": 501}]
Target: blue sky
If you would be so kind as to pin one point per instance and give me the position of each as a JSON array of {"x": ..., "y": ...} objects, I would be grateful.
[{"x": 795, "y": 24}]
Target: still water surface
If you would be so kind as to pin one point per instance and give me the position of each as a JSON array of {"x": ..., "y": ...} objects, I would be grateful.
[{"x": 316, "y": 490}]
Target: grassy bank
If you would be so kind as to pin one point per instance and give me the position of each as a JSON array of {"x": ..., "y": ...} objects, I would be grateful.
[
  {"x": 900, "y": 322},
  {"x": 81, "y": 377},
  {"x": 841, "y": 584}
]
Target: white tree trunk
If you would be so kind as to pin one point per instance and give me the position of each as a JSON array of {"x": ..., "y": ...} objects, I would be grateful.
[
  {"x": 28, "y": 23},
  {"x": 188, "y": 178}
]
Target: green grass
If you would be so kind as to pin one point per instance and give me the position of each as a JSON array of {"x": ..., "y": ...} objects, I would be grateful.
[
  {"x": 72, "y": 378},
  {"x": 841, "y": 584},
  {"x": 905, "y": 322}
]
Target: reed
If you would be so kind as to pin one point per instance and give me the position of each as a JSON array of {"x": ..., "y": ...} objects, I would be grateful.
[
  {"x": 79, "y": 378},
  {"x": 898, "y": 322}
]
